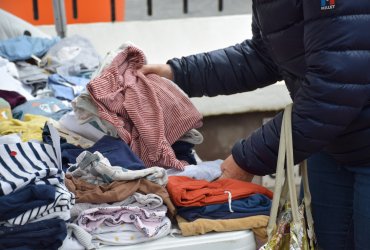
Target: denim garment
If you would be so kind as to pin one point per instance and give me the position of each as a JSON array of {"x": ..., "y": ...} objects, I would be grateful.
[
  {"x": 115, "y": 150},
  {"x": 256, "y": 204},
  {"x": 340, "y": 203},
  {"x": 46, "y": 234},
  {"x": 27, "y": 198}
]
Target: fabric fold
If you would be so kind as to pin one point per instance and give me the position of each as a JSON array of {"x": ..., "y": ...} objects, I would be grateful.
[{"x": 149, "y": 112}]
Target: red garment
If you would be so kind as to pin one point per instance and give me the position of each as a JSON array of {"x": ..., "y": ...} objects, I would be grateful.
[
  {"x": 149, "y": 112},
  {"x": 187, "y": 192}
]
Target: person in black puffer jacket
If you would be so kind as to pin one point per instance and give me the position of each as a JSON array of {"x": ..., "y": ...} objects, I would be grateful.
[{"x": 321, "y": 49}]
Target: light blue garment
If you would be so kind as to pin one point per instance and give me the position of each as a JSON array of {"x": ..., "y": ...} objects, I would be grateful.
[
  {"x": 23, "y": 47},
  {"x": 67, "y": 87},
  {"x": 206, "y": 170},
  {"x": 49, "y": 107}
]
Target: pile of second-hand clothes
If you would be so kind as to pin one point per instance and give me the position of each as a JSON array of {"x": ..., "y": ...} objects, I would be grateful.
[
  {"x": 93, "y": 153},
  {"x": 34, "y": 202}
]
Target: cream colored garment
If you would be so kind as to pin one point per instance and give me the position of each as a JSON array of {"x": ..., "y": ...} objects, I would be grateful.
[
  {"x": 86, "y": 111},
  {"x": 70, "y": 136}
]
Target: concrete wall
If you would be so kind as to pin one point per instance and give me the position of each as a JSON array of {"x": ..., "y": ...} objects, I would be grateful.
[{"x": 222, "y": 131}]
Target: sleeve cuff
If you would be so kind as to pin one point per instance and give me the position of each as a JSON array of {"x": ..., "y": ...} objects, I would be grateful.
[
  {"x": 248, "y": 162},
  {"x": 238, "y": 155}
]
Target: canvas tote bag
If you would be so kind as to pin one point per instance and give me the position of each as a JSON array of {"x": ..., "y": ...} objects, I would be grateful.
[{"x": 290, "y": 225}]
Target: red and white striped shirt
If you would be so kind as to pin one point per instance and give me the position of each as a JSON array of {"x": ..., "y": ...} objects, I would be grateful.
[{"x": 149, "y": 112}]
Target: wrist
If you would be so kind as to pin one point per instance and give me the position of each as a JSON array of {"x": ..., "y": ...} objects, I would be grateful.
[{"x": 168, "y": 72}]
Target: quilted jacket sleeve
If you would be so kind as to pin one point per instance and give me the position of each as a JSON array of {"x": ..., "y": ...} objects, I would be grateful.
[
  {"x": 333, "y": 92},
  {"x": 243, "y": 67}
]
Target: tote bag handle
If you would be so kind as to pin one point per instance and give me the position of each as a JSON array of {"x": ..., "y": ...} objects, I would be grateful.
[{"x": 285, "y": 182}]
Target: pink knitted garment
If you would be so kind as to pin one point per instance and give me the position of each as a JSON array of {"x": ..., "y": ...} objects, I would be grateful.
[{"x": 149, "y": 112}]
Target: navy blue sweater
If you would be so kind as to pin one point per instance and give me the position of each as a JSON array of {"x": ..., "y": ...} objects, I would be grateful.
[{"x": 323, "y": 55}]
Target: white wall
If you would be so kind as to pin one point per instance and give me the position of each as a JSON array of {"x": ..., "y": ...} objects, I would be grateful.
[{"x": 164, "y": 39}]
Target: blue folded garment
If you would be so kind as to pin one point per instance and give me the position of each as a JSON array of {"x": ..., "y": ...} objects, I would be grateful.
[
  {"x": 27, "y": 198},
  {"x": 49, "y": 107},
  {"x": 256, "y": 204},
  {"x": 67, "y": 87},
  {"x": 23, "y": 47},
  {"x": 45, "y": 234}
]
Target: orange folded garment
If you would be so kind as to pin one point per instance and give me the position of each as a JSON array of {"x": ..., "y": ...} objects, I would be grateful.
[{"x": 185, "y": 191}]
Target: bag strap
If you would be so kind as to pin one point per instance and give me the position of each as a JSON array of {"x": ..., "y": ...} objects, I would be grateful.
[
  {"x": 279, "y": 181},
  {"x": 287, "y": 123},
  {"x": 285, "y": 193},
  {"x": 288, "y": 185},
  {"x": 307, "y": 202},
  {"x": 292, "y": 186}
]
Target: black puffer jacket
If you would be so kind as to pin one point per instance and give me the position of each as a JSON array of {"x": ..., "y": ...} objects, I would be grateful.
[{"x": 322, "y": 51}]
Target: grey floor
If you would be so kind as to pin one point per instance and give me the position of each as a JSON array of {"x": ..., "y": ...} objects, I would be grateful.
[{"x": 169, "y": 9}]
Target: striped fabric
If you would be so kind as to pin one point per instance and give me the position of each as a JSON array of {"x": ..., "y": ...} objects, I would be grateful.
[
  {"x": 60, "y": 208},
  {"x": 29, "y": 162},
  {"x": 149, "y": 112}
]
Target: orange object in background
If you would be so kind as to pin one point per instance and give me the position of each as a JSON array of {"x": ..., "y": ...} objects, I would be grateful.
[{"x": 40, "y": 12}]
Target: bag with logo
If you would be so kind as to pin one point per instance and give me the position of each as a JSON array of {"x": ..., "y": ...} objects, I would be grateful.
[{"x": 290, "y": 225}]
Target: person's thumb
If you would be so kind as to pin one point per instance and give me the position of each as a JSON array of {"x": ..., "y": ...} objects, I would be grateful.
[
  {"x": 163, "y": 70},
  {"x": 146, "y": 69}
]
